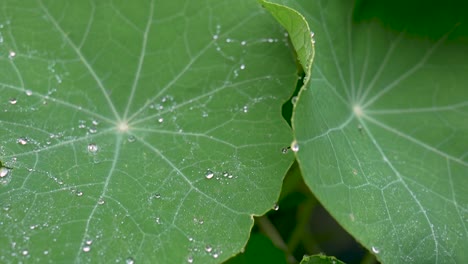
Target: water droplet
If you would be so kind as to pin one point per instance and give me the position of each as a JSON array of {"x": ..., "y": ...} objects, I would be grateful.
[
  {"x": 294, "y": 100},
  {"x": 190, "y": 259},
  {"x": 11, "y": 54},
  {"x": 92, "y": 130},
  {"x": 209, "y": 174},
  {"x": 93, "y": 148},
  {"x": 4, "y": 172},
  {"x": 13, "y": 101},
  {"x": 131, "y": 139},
  {"x": 276, "y": 207},
  {"x": 160, "y": 120},
  {"x": 158, "y": 220},
  {"x": 245, "y": 109},
  {"x": 215, "y": 255},
  {"x": 225, "y": 174},
  {"x": 228, "y": 40},
  {"x": 215, "y": 37},
  {"x": 355, "y": 172},
  {"x": 242, "y": 67},
  {"x": 28, "y": 92},
  {"x": 86, "y": 248},
  {"x": 89, "y": 242},
  {"x": 22, "y": 141},
  {"x": 285, "y": 150},
  {"x": 101, "y": 201},
  {"x": 24, "y": 252},
  {"x": 46, "y": 252},
  {"x": 79, "y": 193},
  {"x": 243, "y": 43},
  {"x": 312, "y": 34},
  {"x": 375, "y": 250},
  {"x": 130, "y": 260},
  {"x": 295, "y": 146},
  {"x": 156, "y": 195},
  {"x": 208, "y": 248},
  {"x": 95, "y": 122}
]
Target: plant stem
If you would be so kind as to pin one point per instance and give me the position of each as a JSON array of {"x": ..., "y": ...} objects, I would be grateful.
[{"x": 272, "y": 233}]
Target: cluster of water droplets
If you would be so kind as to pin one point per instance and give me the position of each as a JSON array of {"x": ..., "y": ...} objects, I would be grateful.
[
  {"x": 91, "y": 127},
  {"x": 224, "y": 175}
]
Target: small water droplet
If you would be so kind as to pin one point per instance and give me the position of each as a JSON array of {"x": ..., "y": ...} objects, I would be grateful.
[
  {"x": 245, "y": 109},
  {"x": 89, "y": 242},
  {"x": 13, "y": 101},
  {"x": 92, "y": 130},
  {"x": 208, "y": 248},
  {"x": 160, "y": 120},
  {"x": 4, "y": 172},
  {"x": 79, "y": 193},
  {"x": 101, "y": 201},
  {"x": 276, "y": 207},
  {"x": 130, "y": 260},
  {"x": 312, "y": 34},
  {"x": 215, "y": 255},
  {"x": 11, "y": 54},
  {"x": 93, "y": 148},
  {"x": 209, "y": 174},
  {"x": 225, "y": 174},
  {"x": 86, "y": 248},
  {"x": 375, "y": 250},
  {"x": 243, "y": 43},
  {"x": 156, "y": 195},
  {"x": 158, "y": 220},
  {"x": 355, "y": 172},
  {"x": 24, "y": 252},
  {"x": 215, "y": 37},
  {"x": 46, "y": 252},
  {"x": 294, "y": 100},
  {"x": 22, "y": 141},
  {"x": 285, "y": 150},
  {"x": 28, "y": 92},
  {"x": 242, "y": 67},
  {"x": 190, "y": 259},
  {"x": 131, "y": 139},
  {"x": 295, "y": 146},
  {"x": 228, "y": 40}
]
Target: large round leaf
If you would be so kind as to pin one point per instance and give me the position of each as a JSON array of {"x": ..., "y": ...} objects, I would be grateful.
[
  {"x": 148, "y": 131},
  {"x": 381, "y": 132}
]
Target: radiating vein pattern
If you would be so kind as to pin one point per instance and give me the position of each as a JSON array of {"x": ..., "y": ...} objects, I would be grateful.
[
  {"x": 382, "y": 133},
  {"x": 142, "y": 132}
]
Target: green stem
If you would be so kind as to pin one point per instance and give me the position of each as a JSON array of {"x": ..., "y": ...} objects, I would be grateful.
[{"x": 272, "y": 233}]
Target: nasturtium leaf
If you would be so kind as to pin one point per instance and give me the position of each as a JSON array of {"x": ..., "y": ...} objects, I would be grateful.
[
  {"x": 381, "y": 133},
  {"x": 148, "y": 131}
]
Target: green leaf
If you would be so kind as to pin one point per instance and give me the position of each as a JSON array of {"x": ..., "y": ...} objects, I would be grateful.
[
  {"x": 147, "y": 132},
  {"x": 381, "y": 132},
  {"x": 320, "y": 259}
]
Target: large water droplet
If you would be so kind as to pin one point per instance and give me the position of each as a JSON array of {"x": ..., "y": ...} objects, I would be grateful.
[
  {"x": 209, "y": 174},
  {"x": 295, "y": 146},
  {"x": 93, "y": 148},
  {"x": 86, "y": 248},
  {"x": 22, "y": 141},
  {"x": 4, "y": 172}
]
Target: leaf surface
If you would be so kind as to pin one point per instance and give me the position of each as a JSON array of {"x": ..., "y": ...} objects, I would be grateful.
[
  {"x": 381, "y": 133},
  {"x": 147, "y": 132}
]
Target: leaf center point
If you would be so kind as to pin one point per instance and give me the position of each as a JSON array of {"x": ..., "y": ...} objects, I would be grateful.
[
  {"x": 122, "y": 126},
  {"x": 358, "y": 110}
]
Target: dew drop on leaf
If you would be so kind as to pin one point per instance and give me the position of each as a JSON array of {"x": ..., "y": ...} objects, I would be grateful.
[
  {"x": 101, "y": 201},
  {"x": 22, "y": 141},
  {"x": 209, "y": 174},
  {"x": 28, "y": 92},
  {"x": 190, "y": 259},
  {"x": 294, "y": 146},
  {"x": 130, "y": 261},
  {"x": 86, "y": 248},
  {"x": 11, "y": 54},
  {"x": 208, "y": 248},
  {"x": 89, "y": 242},
  {"x": 276, "y": 207},
  {"x": 284, "y": 150},
  {"x": 160, "y": 120},
  {"x": 215, "y": 255},
  {"x": 79, "y": 193},
  {"x": 242, "y": 67},
  {"x": 93, "y": 148},
  {"x": 13, "y": 101},
  {"x": 131, "y": 139},
  {"x": 294, "y": 100},
  {"x": 375, "y": 250},
  {"x": 4, "y": 172},
  {"x": 24, "y": 252}
]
